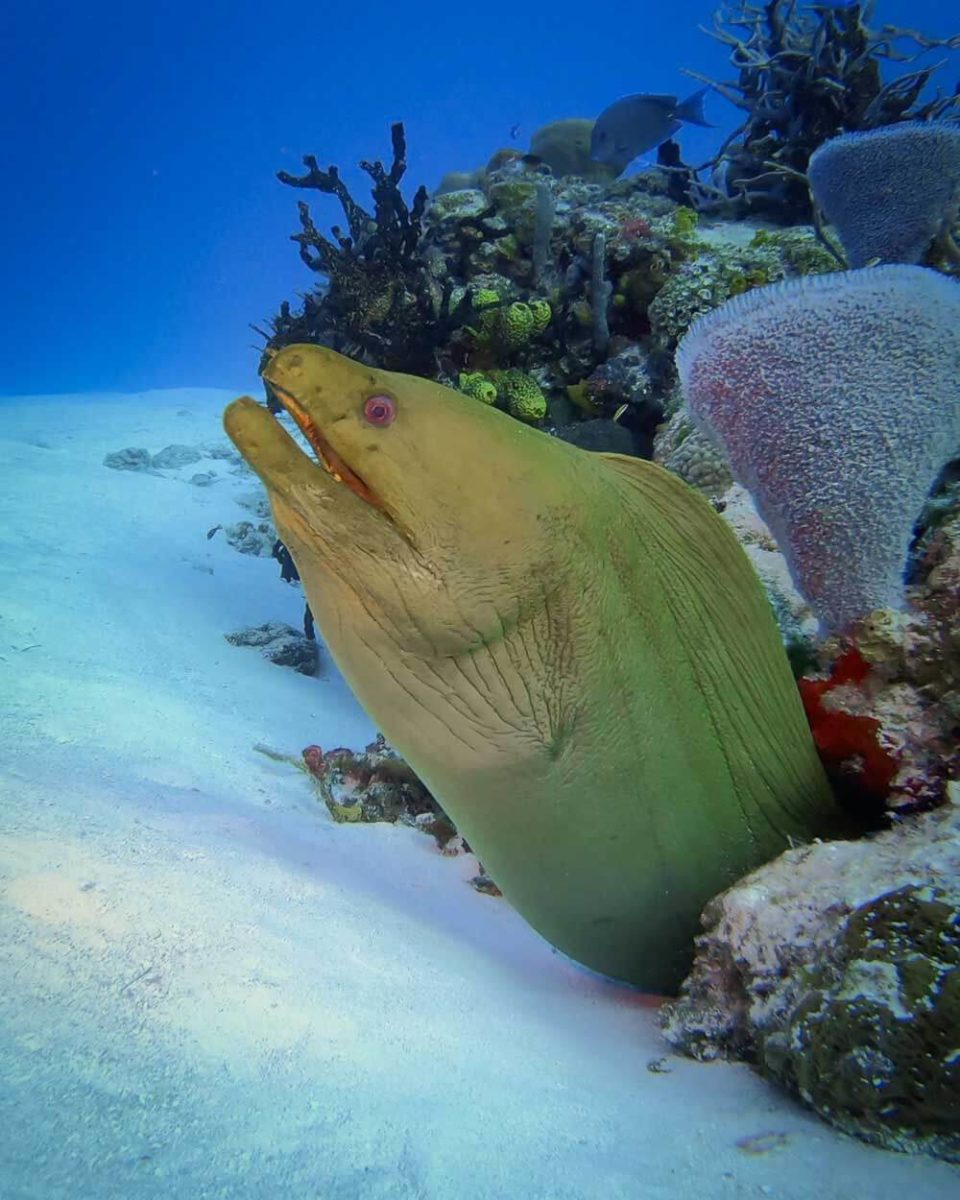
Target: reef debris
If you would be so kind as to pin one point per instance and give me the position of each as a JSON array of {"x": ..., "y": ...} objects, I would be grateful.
[
  {"x": 375, "y": 785},
  {"x": 280, "y": 644}
]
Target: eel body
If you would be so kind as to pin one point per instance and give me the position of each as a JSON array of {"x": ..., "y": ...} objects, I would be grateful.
[{"x": 570, "y": 649}]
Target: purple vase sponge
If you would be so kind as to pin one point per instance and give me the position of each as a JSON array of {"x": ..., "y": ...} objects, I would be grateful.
[
  {"x": 889, "y": 192},
  {"x": 836, "y": 399}
]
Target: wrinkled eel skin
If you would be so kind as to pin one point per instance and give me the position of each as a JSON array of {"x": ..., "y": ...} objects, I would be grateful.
[{"x": 571, "y": 649}]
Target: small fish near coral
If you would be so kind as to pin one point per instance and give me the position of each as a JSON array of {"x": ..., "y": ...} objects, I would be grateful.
[
  {"x": 633, "y": 125},
  {"x": 580, "y": 664}
]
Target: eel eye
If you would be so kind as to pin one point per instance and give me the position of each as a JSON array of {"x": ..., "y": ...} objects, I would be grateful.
[{"x": 379, "y": 410}]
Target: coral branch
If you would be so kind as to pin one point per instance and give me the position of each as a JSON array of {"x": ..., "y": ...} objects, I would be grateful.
[{"x": 329, "y": 181}]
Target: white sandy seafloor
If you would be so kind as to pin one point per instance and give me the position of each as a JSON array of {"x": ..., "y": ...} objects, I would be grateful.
[{"x": 208, "y": 988}]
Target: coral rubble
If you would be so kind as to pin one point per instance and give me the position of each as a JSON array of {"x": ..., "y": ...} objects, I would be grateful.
[
  {"x": 281, "y": 644},
  {"x": 377, "y": 785}
]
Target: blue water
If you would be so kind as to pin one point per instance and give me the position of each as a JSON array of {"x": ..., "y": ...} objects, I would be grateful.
[{"x": 141, "y": 226}]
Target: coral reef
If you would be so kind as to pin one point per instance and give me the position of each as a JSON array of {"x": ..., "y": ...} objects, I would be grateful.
[
  {"x": 805, "y": 73},
  {"x": 842, "y": 736},
  {"x": 871, "y": 1046},
  {"x": 684, "y": 450},
  {"x": 891, "y": 193},
  {"x": 619, "y": 262},
  {"x": 509, "y": 329},
  {"x": 523, "y": 271},
  {"x": 835, "y": 969},
  {"x": 479, "y": 386},
  {"x": 521, "y": 395}
]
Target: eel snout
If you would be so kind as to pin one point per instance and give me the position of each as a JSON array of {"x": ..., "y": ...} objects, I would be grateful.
[{"x": 328, "y": 458}]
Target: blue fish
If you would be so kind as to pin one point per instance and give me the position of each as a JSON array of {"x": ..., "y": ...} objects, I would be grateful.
[{"x": 633, "y": 125}]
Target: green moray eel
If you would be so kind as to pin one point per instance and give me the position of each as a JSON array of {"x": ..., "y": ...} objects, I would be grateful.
[{"x": 570, "y": 649}]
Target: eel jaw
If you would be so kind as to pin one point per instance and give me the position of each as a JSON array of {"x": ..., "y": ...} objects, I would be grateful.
[{"x": 327, "y": 457}]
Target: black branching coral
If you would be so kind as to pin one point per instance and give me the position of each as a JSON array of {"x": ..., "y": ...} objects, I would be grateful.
[
  {"x": 378, "y": 302},
  {"x": 389, "y": 236}
]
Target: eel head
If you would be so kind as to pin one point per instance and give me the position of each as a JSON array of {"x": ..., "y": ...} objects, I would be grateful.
[{"x": 416, "y": 503}]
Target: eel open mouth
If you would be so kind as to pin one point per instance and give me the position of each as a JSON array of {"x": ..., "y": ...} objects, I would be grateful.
[{"x": 327, "y": 457}]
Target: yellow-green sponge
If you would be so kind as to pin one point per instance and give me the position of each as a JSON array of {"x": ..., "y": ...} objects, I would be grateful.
[
  {"x": 521, "y": 394},
  {"x": 478, "y": 385}
]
